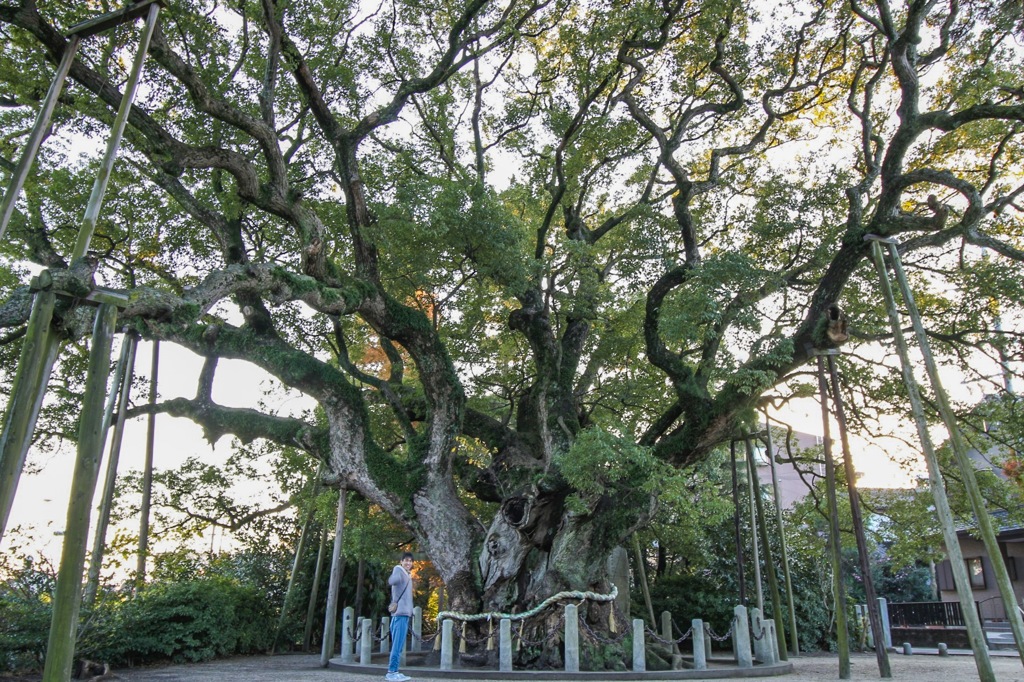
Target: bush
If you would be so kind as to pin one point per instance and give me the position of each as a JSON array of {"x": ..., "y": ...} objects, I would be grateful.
[
  {"x": 190, "y": 621},
  {"x": 25, "y": 610},
  {"x": 24, "y": 628},
  {"x": 692, "y": 596}
]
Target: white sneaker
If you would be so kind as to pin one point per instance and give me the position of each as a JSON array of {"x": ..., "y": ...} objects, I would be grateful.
[{"x": 396, "y": 677}]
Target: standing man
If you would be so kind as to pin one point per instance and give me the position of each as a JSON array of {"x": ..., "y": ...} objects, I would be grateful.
[{"x": 401, "y": 611}]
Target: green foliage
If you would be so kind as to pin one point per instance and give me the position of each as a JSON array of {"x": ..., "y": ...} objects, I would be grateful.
[
  {"x": 600, "y": 463},
  {"x": 194, "y": 620},
  {"x": 25, "y": 611},
  {"x": 692, "y": 513},
  {"x": 704, "y": 593},
  {"x": 190, "y": 618}
]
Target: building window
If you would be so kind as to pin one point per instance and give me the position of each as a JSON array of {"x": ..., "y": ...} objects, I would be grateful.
[
  {"x": 976, "y": 572},
  {"x": 944, "y": 576}
]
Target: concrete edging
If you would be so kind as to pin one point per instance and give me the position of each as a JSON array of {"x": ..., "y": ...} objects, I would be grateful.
[{"x": 759, "y": 670}]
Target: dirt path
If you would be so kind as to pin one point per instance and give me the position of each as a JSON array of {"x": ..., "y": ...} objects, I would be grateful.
[{"x": 811, "y": 668}]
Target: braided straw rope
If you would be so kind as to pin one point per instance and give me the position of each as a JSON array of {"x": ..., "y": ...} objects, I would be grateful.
[{"x": 582, "y": 596}]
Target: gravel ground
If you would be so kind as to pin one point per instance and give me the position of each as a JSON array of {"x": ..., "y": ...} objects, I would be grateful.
[{"x": 808, "y": 668}]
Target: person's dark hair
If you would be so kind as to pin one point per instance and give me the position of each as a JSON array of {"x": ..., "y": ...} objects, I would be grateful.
[{"x": 406, "y": 555}]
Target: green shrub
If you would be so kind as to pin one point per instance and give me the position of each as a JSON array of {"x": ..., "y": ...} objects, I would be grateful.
[
  {"x": 190, "y": 621},
  {"x": 24, "y": 628},
  {"x": 25, "y": 610}
]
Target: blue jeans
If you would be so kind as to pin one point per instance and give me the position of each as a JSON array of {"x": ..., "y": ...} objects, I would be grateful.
[{"x": 399, "y": 629}]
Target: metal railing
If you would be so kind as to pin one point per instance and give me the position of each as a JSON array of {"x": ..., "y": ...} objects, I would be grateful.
[{"x": 917, "y": 614}]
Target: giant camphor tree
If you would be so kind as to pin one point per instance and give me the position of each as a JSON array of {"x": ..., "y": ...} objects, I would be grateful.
[{"x": 527, "y": 256}]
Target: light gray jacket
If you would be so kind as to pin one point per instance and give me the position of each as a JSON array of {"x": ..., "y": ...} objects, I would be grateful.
[{"x": 401, "y": 591}]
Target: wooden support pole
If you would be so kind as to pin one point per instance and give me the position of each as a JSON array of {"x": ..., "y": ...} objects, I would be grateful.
[
  {"x": 835, "y": 543},
  {"x": 963, "y": 460},
  {"x": 881, "y": 654},
  {"x": 300, "y": 549},
  {"x": 38, "y": 352},
  {"x": 769, "y": 562},
  {"x": 122, "y": 388},
  {"x": 99, "y": 188},
  {"x": 314, "y": 590},
  {"x": 39, "y": 132},
  {"x": 67, "y": 599},
  {"x": 147, "y": 470},
  {"x": 334, "y": 584},
  {"x": 755, "y": 549},
  {"x": 794, "y": 641},
  {"x": 945, "y": 516},
  {"x": 738, "y": 536}
]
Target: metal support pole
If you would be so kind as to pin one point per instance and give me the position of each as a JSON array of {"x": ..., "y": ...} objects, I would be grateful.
[
  {"x": 794, "y": 641},
  {"x": 835, "y": 544},
  {"x": 769, "y": 563},
  {"x": 38, "y": 352},
  {"x": 67, "y": 598},
  {"x": 962, "y": 581},
  {"x": 988, "y": 534},
  {"x": 881, "y": 654},
  {"x": 28, "y": 154}
]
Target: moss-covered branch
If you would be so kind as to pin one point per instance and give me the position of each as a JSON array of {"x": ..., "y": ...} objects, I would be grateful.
[{"x": 245, "y": 424}]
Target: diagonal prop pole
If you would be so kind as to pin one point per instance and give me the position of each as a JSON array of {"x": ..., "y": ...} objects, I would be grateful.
[
  {"x": 41, "y": 344},
  {"x": 28, "y": 154},
  {"x": 874, "y": 614},
  {"x": 963, "y": 584},
  {"x": 38, "y": 352},
  {"x": 42, "y": 123},
  {"x": 964, "y": 463},
  {"x": 99, "y": 188}
]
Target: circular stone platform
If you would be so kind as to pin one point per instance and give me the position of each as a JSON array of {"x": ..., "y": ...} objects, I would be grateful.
[{"x": 718, "y": 669}]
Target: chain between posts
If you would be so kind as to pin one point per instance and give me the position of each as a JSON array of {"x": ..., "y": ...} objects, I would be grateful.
[
  {"x": 668, "y": 642},
  {"x": 547, "y": 635},
  {"x": 721, "y": 638},
  {"x": 427, "y": 639},
  {"x": 378, "y": 638},
  {"x": 460, "y": 632},
  {"x": 603, "y": 640}
]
